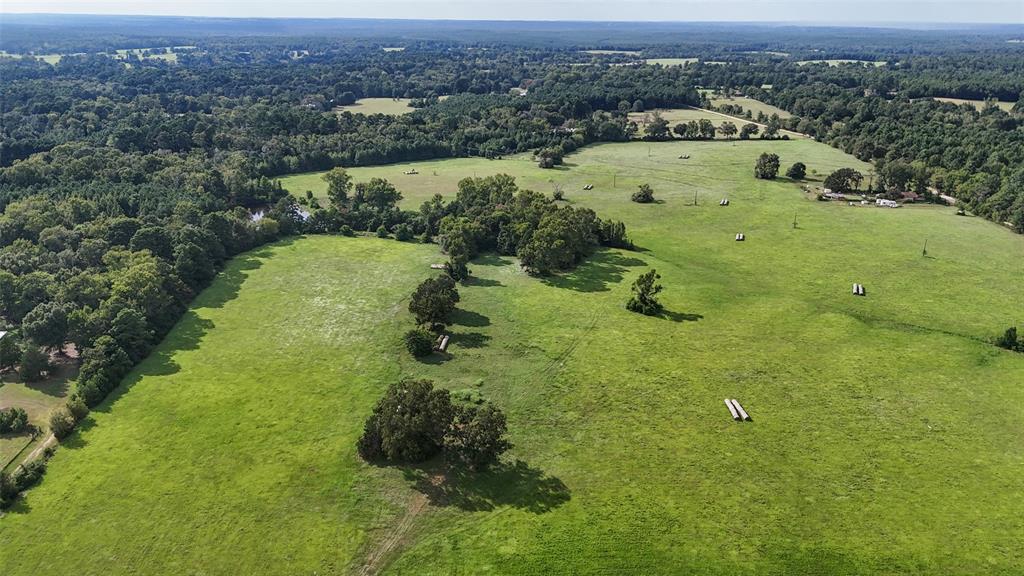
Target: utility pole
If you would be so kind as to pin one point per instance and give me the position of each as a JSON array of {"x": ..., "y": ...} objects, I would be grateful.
[
  {"x": 924, "y": 251},
  {"x": 794, "y": 220},
  {"x": 694, "y": 197}
]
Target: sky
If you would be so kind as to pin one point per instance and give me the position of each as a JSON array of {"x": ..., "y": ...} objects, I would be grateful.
[{"x": 819, "y": 11}]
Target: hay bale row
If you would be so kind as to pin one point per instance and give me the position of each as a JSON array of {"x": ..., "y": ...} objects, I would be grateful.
[{"x": 737, "y": 411}]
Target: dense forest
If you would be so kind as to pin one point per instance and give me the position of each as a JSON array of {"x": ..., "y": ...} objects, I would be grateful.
[{"x": 127, "y": 180}]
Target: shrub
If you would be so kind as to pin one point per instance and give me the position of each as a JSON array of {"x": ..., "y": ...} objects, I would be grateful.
[
  {"x": 8, "y": 489},
  {"x": 382, "y": 231},
  {"x": 767, "y": 166},
  {"x": 419, "y": 342},
  {"x": 76, "y": 405},
  {"x": 13, "y": 420},
  {"x": 645, "y": 194},
  {"x": 62, "y": 422},
  {"x": 456, "y": 268},
  {"x": 403, "y": 232},
  {"x": 29, "y": 474},
  {"x": 347, "y": 230},
  {"x": 1010, "y": 341},
  {"x": 645, "y": 291},
  {"x": 797, "y": 171}
]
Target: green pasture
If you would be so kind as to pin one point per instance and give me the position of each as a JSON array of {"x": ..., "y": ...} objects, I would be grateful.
[{"x": 885, "y": 439}]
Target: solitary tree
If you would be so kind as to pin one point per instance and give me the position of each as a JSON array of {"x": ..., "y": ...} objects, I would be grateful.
[
  {"x": 339, "y": 184},
  {"x": 728, "y": 129},
  {"x": 645, "y": 195},
  {"x": 433, "y": 300},
  {"x": 657, "y": 127},
  {"x": 748, "y": 130},
  {"x": 767, "y": 167},
  {"x": 843, "y": 180},
  {"x": 645, "y": 291},
  {"x": 797, "y": 171}
]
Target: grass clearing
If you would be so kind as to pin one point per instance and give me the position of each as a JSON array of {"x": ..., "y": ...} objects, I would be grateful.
[
  {"x": 389, "y": 106},
  {"x": 754, "y": 106},
  {"x": 884, "y": 440},
  {"x": 979, "y": 104},
  {"x": 671, "y": 61}
]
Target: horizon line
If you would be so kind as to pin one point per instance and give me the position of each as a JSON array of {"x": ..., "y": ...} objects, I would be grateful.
[{"x": 812, "y": 23}]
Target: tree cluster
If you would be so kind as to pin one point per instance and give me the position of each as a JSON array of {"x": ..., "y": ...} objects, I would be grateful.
[{"x": 414, "y": 422}]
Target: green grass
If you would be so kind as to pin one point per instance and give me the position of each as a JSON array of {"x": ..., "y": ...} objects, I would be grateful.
[
  {"x": 885, "y": 440},
  {"x": 979, "y": 104},
  {"x": 754, "y": 106},
  {"x": 38, "y": 399},
  {"x": 671, "y": 61},
  {"x": 390, "y": 106}
]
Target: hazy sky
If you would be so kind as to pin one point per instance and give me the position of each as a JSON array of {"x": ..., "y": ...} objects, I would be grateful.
[{"x": 820, "y": 11}]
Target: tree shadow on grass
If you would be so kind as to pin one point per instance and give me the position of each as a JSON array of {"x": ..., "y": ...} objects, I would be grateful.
[
  {"x": 186, "y": 335},
  {"x": 74, "y": 440},
  {"x": 491, "y": 260},
  {"x": 470, "y": 339},
  {"x": 596, "y": 273},
  {"x": 229, "y": 282},
  {"x": 680, "y": 316},
  {"x": 513, "y": 484},
  {"x": 468, "y": 318},
  {"x": 482, "y": 282}
]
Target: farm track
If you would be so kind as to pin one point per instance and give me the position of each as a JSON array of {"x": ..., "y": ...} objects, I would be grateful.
[{"x": 377, "y": 558}]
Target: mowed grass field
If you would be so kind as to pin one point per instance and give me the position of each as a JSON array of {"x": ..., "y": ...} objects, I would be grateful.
[
  {"x": 389, "y": 106},
  {"x": 979, "y": 104},
  {"x": 886, "y": 436}
]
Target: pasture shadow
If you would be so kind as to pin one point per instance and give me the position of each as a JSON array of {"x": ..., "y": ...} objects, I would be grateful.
[
  {"x": 469, "y": 339},
  {"x": 482, "y": 282},
  {"x": 680, "y": 316},
  {"x": 491, "y": 260},
  {"x": 470, "y": 319},
  {"x": 515, "y": 484},
  {"x": 596, "y": 273},
  {"x": 229, "y": 281},
  {"x": 74, "y": 440},
  {"x": 186, "y": 335}
]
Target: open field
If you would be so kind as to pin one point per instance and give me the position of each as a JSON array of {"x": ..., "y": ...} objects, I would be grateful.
[
  {"x": 885, "y": 436},
  {"x": 671, "y": 61},
  {"x": 841, "y": 61},
  {"x": 678, "y": 115},
  {"x": 38, "y": 399},
  {"x": 754, "y": 106},
  {"x": 979, "y": 104},
  {"x": 391, "y": 106}
]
